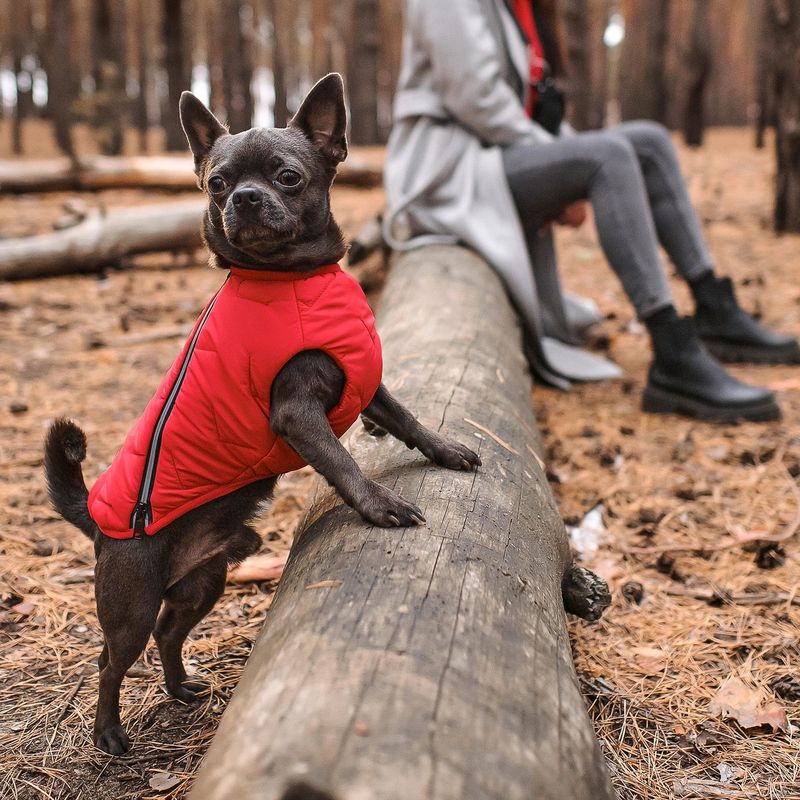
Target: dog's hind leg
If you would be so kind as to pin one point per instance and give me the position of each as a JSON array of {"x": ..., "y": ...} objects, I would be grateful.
[
  {"x": 127, "y": 622},
  {"x": 185, "y": 604}
]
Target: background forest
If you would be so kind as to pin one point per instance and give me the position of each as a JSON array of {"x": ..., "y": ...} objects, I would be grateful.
[
  {"x": 119, "y": 66},
  {"x": 73, "y": 60}
]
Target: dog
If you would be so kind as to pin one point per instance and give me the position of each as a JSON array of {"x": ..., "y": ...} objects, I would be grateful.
[{"x": 172, "y": 512}]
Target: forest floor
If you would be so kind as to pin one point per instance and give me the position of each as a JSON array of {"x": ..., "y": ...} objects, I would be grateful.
[{"x": 683, "y": 517}]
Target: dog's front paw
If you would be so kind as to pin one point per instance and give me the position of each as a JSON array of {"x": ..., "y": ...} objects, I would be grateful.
[
  {"x": 383, "y": 507},
  {"x": 187, "y": 691},
  {"x": 451, "y": 454},
  {"x": 113, "y": 740}
]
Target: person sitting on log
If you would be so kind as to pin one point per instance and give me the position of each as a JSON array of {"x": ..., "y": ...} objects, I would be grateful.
[{"x": 480, "y": 154}]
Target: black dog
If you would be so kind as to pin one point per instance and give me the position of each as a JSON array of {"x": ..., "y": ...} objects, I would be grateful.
[{"x": 269, "y": 209}]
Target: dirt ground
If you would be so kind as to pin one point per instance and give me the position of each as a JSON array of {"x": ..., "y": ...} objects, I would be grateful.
[{"x": 686, "y": 514}]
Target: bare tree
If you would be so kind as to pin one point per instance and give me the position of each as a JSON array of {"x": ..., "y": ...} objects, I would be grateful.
[
  {"x": 107, "y": 109},
  {"x": 762, "y": 73},
  {"x": 363, "y": 68},
  {"x": 21, "y": 36},
  {"x": 279, "y": 72},
  {"x": 643, "y": 89},
  {"x": 60, "y": 81},
  {"x": 237, "y": 71},
  {"x": 177, "y": 68},
  {"x": 577, "y": 26},
  {"x": 783, "y": 30},
  {"x": 698, "y": 67}
]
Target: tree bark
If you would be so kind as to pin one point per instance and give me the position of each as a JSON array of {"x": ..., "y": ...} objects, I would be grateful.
[
  {"x": 577, "y": 26},
  {"x": 763, "y": 71},
  {"x": 109, "y": 105},
  {"x": 363, "y": 67},
  {"x": 698, "y": 67},
  {"x": 21, "y": 36},
  {"x": 103, "y": 240},
  {"x": 60, "y": 79},
  {"x": 428, "y": 662},
  {"x": 783, "y": 24},
  {"x": 170, "y": 173},
  {"x": 178, "y": 71},
  {"x": 643, "y": 89},
  {"x": 280, "y": 110},
  {"x": 237, "y": 72}
]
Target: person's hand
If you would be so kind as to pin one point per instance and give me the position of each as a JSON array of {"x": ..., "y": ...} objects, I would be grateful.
[{"x": 573, "y": 215}]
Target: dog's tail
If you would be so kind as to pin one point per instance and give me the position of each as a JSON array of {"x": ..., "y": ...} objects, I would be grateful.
[{"x": 64, "y": 449}]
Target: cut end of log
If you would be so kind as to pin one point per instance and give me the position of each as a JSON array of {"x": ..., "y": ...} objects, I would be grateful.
[
  {"x": 585, "y": 594},
  {"x": 304, "y": 791}
]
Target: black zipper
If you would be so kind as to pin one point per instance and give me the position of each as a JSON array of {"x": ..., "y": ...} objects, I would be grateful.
[{"x": 142, "y": 514}]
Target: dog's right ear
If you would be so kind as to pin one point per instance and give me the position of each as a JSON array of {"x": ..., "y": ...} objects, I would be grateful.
[{"x": 201, "y": 127}]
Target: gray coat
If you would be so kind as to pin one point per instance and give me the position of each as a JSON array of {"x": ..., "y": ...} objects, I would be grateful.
[{"x": 459, "y": 101}]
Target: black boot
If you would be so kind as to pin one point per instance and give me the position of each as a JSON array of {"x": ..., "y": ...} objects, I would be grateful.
[
  {"x": 686, "y": 379},
  {"x": 731, "y": 334}
]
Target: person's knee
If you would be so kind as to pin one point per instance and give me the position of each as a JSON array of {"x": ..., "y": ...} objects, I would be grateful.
[
  {"x": 615, "y": 148},
  {"x": 647, "y": 134}
]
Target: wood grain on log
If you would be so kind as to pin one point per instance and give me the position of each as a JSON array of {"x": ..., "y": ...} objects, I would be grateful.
[
  {"x": 169, "y": 173},
  {"x": 103, "y": 239},
  {"x": 428, "y": 662}
]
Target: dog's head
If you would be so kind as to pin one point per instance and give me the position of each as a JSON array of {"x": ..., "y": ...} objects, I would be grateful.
[{"x": 268, "y": 188}]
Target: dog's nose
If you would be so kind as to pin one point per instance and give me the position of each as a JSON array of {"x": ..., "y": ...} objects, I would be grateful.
[{"x": 247, "y": 196}]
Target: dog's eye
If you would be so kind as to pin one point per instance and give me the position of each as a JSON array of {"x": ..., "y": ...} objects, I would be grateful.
[
  {"x": 216, "y": 184},
  {"x": 289, "y": 178}
]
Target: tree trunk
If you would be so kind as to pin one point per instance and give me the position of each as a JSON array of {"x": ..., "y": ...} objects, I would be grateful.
[
  {"x": 237, "y": 72},
  {"x": 320, "y": 38},
  {"x": 577, "y": 28},
  {"x": 60, "y": 80},
  {"x": 165, "y": 173},
  {"x": 103, "y": 239},
  {"x": 178, "y": 71},
  {"x": 428, "y": 662},
  {"x": 643, "y": 87},
  {"x": 763, "y": 71},
  {"x": 108, "y": 108},
  {"x": 363, "y": 73},
  {"x": 698, "y": 67},
  {"x": 279, "y": 73},
  {"x": 143, "y": 71},
  {"x": 783, "y": 31},
  {"x": 21, "y": 35}
]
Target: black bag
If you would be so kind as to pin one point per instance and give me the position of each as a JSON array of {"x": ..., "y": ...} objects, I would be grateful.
[{"x": 550, "y": 105}]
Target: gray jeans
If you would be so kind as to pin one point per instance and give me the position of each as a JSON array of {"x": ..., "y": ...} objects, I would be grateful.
[{"x": 631, "y": 176}]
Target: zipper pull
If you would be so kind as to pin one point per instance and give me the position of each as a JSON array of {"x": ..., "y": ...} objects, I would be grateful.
[{"x": 140, "y": 518}]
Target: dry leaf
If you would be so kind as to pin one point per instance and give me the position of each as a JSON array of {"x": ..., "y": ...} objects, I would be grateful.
[
  {"x": 324, "y": 585},
  {"x": 750, "y": 706},
  {"x": 650, "y": 660},
  {"x": 24, "y": 608},
  {"x": 261, "y": 567},
  {"x": 163, "y": 781}
]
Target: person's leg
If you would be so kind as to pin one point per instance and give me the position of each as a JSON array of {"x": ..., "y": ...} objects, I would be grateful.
[
  {"x": 675, "y": 220},
  {"x": 729, "y": 332},
  {"x": 603, "y": 168}
]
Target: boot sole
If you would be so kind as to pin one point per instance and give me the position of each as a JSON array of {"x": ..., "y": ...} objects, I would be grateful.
[
  {"x": 731, "y": 353},
  {"x": 661, "y": 401}
]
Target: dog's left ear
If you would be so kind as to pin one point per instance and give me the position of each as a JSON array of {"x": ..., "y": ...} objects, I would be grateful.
[
  {"x": 322, "y": 117},
  {"x": 201, "y": 127}
]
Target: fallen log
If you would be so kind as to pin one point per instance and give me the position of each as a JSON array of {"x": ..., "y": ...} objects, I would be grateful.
[
  {"x": 104, "y": 238},
  {"x": 430, "y": 662},
  {"x": 166, "y": 173}
]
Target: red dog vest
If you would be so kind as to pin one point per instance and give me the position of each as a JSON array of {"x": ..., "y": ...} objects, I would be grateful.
[{"x": 206, "y": 430}]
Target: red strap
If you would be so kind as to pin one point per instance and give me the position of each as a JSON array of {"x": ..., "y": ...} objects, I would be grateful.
[{"x": 523, "y": 10}]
